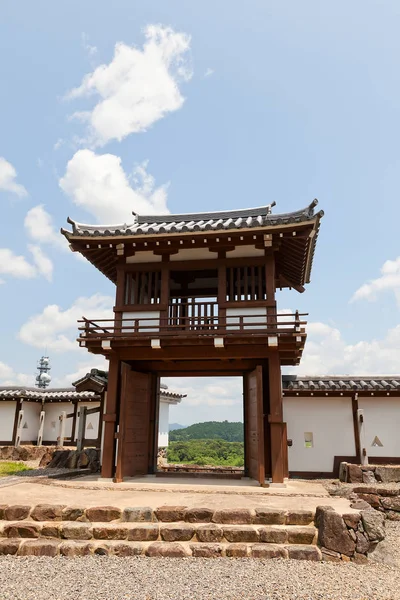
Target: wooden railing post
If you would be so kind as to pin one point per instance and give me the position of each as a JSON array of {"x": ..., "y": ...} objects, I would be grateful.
[
  {"x": 41, "y": 427},
  {"x": 81, "y": 428},
  {"x": 61, "y": 434}
]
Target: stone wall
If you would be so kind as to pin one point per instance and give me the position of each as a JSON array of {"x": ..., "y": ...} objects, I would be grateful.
[
  {"x": 370, "y": 474},
  {"x": 349, "y": 537},
  {"x": 27, "y": 453},
  {"x": 53, "y": 457}
]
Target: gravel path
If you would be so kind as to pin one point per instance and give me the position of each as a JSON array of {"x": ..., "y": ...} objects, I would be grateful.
[{"x": 109, "y": 578}]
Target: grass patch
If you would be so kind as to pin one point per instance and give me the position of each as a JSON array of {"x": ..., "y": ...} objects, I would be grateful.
[{"x": 12, "y": 468}]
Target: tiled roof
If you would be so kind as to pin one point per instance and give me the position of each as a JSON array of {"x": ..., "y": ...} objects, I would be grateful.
[
  {"x": 172, "y": 395},
  {"x": 192, "y": 222},
  {"x": 340, "y": 383},
  {"x": 96, "y": 375},
  {"x": 28, "y": 393},
  {"x": 102, "y": 377}
]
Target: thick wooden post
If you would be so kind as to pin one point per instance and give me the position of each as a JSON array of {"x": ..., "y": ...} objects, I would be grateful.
[
  {"x": 361, "y": 433},
  {"x": 125, "y": 389},
  {"x": 81, "y": 428},
  {"x": 110, "y": 418},
  {"x": 18, "y": 406},
  {"x": 279, "y": 466}
]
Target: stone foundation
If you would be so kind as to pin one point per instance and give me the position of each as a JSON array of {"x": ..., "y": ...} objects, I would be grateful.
[
  {"x": 53, "y": 457},
  {"x": 348, "y": 537},
  {"x": 373, "y": 486},
  {"x": 370, "y": 474},
  {"x": 178, "y": 531}
]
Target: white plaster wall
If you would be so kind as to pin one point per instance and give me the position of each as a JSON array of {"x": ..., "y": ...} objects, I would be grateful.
[
  {"x": 330, "y": 420},
  {"x": 251, "y": 315},
  {"x": 244, "y": 252},
  {"x": 382, "y": 419},
  {"x": 150, "y": 326},
  {"x": 143, "y": 257},
  {"x": 163, "y": 424},
  {"x": 7, "y": 416},
  {"x": 53, "y": 411},
  {"x": 31, "y": 419},
  {"x": 91, "y": 433},
  {"x": 189, "y": 254}
]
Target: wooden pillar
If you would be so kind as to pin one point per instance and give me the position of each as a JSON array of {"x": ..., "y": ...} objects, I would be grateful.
[
  {"x": 279, "y": 465},
  {"x": 74, "y": 418},
  {"x": 357, "y": 442},
  {"x": 154, "y": 420},
  {"x": 125, "y": 389},
  {"x": 110, "y": 418},
  {"x": 18, "y": 406}
]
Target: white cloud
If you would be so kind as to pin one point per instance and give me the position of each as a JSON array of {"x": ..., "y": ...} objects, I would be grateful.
[
  {"x": 209, "y": 72},
  {"x": 57, "y": 329},
  {"x": 15, "y": 266},
  {"x": 389, "y": 280},
  {"x": 137, "y": 88},
  {"x": 326, "y": 352},
  {"x": 9, "y": 377},
  {"x": 83, "y": 367},
  {"x": 60, "y": 142},
  {"x": 99, "y": 184},
  {"x": 8, "y": 176},
  {"x": 40, "y": 228},
  {"x": 90, "y": 50},
  {"x": 212, "y": 391},
  {"x": 42, "y": 262}
]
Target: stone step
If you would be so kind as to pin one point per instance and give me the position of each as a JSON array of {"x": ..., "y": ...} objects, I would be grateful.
[
  {"x": 160, "y": 531},
  {"x": 73, "y": 548},
  {"x": 165, "y": 514}
]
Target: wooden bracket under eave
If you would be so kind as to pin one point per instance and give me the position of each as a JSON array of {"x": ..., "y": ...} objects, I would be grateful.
[{"x": 287, "y": 283}]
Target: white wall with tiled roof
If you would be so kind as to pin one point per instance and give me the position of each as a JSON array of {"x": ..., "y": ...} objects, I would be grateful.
[
  {"x": 30, "y": 422},
  {"x": 329, "y": 420}
]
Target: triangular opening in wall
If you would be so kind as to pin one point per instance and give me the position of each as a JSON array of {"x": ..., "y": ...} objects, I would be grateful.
[
  {"x": 90, "y": 426},
  {"x": 25, "y": 426},
  {"x": 377, "y": 442}
]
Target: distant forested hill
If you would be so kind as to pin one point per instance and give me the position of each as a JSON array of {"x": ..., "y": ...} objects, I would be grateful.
[
  {"x": 173, "y": 426},
  {"x": 211, "y": 430}
]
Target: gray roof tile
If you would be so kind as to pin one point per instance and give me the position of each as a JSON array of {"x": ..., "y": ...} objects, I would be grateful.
[
  {"x": 337, "y": 383},
  {"x": 29, "y": 393},
  {"x": 222, "y": 220}
]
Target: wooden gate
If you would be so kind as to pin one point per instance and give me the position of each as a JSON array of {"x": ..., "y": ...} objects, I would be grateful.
[
  {"x": 134, "y": 424},
  {"x": 255, "y": 425}
]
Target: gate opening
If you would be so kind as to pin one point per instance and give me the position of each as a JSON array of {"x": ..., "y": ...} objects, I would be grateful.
[{"x": 201, "y": 427}]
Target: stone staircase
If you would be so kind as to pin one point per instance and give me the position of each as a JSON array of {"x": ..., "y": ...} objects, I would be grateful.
[{"x": 167, "y": 531}]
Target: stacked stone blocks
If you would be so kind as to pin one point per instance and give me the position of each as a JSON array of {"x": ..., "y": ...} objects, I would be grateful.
[{"x": 174, "y": 531}]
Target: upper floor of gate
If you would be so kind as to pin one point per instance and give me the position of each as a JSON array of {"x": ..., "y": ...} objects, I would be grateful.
[{"x": 208, "y": 277}]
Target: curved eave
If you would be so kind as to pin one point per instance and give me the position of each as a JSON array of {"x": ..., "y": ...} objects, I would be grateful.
[{"x": 294, "y": 260}]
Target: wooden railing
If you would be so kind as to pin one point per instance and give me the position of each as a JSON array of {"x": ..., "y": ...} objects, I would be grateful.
[{"x": 197, "y": 325}]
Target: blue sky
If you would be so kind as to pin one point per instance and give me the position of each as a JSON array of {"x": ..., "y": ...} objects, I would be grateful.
[{"x": 244, "y": 103}]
